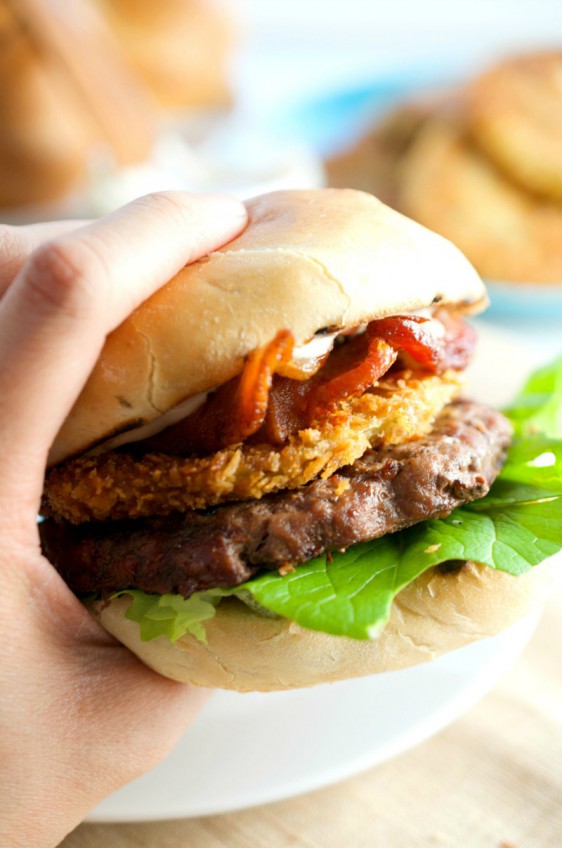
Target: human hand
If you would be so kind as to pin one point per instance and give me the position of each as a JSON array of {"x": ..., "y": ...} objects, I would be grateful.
[{"x": 79, "y": 715}]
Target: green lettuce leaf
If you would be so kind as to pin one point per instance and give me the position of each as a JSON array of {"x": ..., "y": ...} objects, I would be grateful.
[
  {"x": 536, "y": 460},
  {"x": 515, "y": 527},
  {"x": 171, "y": 615},
  {"x": 356, "y": 601},
  {"x": 538, "y": 406}
]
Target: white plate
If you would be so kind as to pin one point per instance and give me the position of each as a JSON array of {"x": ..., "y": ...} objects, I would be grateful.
[{"x": 249, "y": 749}]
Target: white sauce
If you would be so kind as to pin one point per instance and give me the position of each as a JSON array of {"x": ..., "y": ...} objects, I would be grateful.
[
  {"x": 145, "y": 431},
  {"x": 433, "y": 325},
  {"x": 319, "y": 345}
]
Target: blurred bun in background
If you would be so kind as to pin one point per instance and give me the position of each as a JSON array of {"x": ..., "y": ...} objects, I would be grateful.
[
  {"x": 68, "y": 102},
  {"x": 515, "y": 113},
  {"x": 179, "y": 48},
  {"x": 102, "y": 101},
  {"x": 481, "y": 165},
  {"x": 448, "y": 184},
  {"x": 374, "y": 162}
]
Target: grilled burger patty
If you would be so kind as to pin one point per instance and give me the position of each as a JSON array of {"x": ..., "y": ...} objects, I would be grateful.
[{"x": 384, "y": 491}]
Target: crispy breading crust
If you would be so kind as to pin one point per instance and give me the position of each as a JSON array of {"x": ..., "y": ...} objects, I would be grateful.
[{"x": 119, "y": 485}]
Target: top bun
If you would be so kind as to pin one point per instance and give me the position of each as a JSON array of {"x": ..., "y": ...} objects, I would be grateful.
[{"x": 307, "y": 260}]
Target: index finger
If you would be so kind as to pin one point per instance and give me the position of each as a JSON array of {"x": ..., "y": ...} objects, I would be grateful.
[
  {"x": 74, "y": 290},
  {"x": 17, "y": 243}
]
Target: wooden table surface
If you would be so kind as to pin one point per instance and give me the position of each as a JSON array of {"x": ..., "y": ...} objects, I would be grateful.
[{"x": 491, "y": 780}]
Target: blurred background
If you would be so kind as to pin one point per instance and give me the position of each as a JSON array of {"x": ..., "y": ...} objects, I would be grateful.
[
  {"x": 203, "y": 92},
  {"x": 333, "y": 46},
  {"x": 450, "y": 112}
]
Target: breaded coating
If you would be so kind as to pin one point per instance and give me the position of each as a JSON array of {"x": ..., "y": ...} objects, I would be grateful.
[
  {"x": 515, "y": 115},
  {"x": 450, "y": 187},
  {"x": 120, "y": 485}
]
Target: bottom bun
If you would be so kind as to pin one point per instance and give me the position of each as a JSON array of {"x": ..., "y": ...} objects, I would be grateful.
[{"x": 438, "y": 612}]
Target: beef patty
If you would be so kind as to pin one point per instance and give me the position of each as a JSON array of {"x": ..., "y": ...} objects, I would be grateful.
[{"x": 384, "y": 491}]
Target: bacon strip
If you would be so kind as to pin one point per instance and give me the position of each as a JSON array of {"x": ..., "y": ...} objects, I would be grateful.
[
  {"x": 435, "y": 353},
  {"x": 234, "y": 411},
  {"x": 349, "y": 371},
  {"x": 460, "y": 340},
  {"x": 265, "y": 404},
  {"x": 252, "y": 396},
  {"x": 407, "y": 333},
  {"x": 362, "y": 361}
]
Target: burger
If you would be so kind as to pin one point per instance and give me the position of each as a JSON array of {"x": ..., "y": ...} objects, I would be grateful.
[{"x": 271, "y": 480}]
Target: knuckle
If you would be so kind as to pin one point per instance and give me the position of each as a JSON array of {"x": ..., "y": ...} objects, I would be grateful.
[
  {"x": 168, "y": 204},
  {"x": 166, "y": 201},
  {"x": 10, "y": 243},
  {"x": 172, "y": 207},
  {"x": 66, "y": 276},
  {"x": 8, "y": 237}
]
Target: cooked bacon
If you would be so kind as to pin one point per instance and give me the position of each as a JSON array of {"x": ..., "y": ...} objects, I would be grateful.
[
  {"x": 360, "y": 363},
  {"x": 250, "y": 403},
  {"x": 350, "y": 370},
  {"x": 407, "y": 333},
  {"x": 271, "y": 400},
  {"x": 234, "y": 411},
  {"x": 435, "y": 353},
  {"x": 460, "y": 340},
  {"x": 286, "y": 411},
  {"x": 201, "y": 432}
]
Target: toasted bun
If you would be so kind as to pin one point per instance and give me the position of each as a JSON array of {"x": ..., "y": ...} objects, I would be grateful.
[
  {"x": 436, "y": 613},
  {"x": 307, "y": 260}
]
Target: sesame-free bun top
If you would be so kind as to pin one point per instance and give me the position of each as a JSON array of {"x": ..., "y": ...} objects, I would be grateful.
[{"x": 308, "y": 260}]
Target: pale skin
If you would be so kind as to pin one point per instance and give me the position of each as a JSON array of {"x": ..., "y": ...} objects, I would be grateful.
[{"x": 79, "y": 715}]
